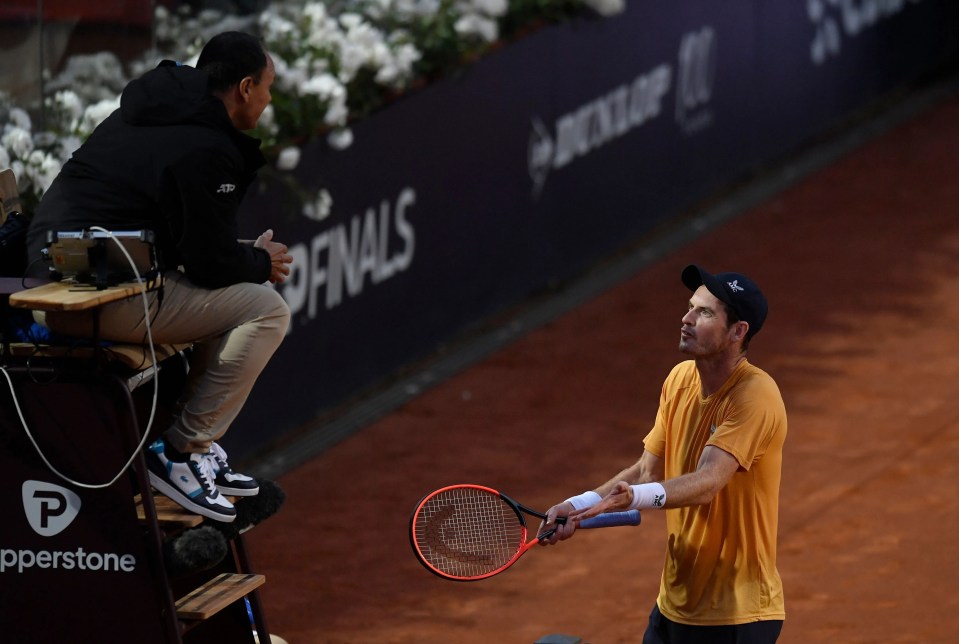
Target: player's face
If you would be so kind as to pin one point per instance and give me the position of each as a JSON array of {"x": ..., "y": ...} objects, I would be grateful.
[{"x": 705, "y": 331}]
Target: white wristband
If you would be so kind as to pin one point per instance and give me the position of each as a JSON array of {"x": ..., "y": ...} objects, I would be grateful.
[
  {"x": 648, "y": 495},
  {"x": 585, "y": 500}
]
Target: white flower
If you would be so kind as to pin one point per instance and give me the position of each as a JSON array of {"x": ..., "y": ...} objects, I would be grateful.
[
  {"x": 363, "y": 46},
  {"x": 44, "y": 140},
  {"x": 315, "y": 12},
  {"x": 41, "y": 169},
  {"x": 274, "y": 27},
  {"x": 389, "y": 74},
  {"x": 324, "y": 86},
  {"x": 70, "y": 103},
  {"x": 417, "y": 7},
  {"x": 340, "y": 139},
  {"x": 18, "y": 141},
  {"x": 68, "y": 108},
  {"x": 476, "y": 25},
  {"x": 405, "y": 55},
  {"x": 351, "y": 20},
  {"x": 290, "y": 77},
  {"x": 94, "y": 77},
  {"x": 69, "y": 145},
  {"x": 320, "y": 208},
  {"x": 337, "y": 113},
  {"x": 288, "y": 158},
  {"x": 379, "y": 8},
  {"x": 397, "y": 65},
  {"x": 331, "y": 58},
  {"x": 97, "y": 113},
  {"x": 17, "y": 166},
  {"x": 491, "y": 8},
  {"x": 20, "y": 119}
]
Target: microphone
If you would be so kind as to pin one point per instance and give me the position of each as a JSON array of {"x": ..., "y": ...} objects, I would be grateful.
[{"x": 205, "y": 546}]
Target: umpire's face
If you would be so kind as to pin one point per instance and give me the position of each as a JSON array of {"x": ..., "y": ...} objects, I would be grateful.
[
  {"x": 255, "y": 95},
  {"x": 706, "y": 331}
]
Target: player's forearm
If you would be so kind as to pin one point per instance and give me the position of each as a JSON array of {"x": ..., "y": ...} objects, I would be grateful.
[
  {"x": 690, "y": 489},
  {"x": 648, "y": 469},
  {"x": 636, "y": 473}
]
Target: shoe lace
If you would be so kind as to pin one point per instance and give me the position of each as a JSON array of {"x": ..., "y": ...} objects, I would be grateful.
[
  {"x": 218, "y": 452},
  {"x": 217, "y": 459},
  {"x": 207, "y": 475}
]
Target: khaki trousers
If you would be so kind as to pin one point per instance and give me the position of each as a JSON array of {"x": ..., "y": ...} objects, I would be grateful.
[{"x": 234, "y": 330}]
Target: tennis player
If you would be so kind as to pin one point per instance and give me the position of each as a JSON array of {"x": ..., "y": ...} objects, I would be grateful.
[{"x": 713, "y": 461}]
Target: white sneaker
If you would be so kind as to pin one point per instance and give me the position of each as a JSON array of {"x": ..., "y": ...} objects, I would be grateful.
[
  {"x": 226, "y": 480},
  {"x": 190, "y": 483}
]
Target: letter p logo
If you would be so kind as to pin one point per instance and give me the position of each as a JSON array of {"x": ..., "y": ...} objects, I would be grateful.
[{"x": 49, "y": 508}]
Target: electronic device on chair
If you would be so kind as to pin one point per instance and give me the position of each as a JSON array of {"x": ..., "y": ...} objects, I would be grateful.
[{"x": 95, "y": 257}]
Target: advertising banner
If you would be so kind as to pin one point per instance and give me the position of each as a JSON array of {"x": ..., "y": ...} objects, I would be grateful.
[
  {"x": 73, "y": 559},
  {"x": 520, "y": 171}
]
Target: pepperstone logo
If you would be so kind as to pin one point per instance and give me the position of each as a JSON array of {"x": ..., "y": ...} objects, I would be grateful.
[
  {"x": 835, "y": 19},
  {"x": 49, "y": 508}
]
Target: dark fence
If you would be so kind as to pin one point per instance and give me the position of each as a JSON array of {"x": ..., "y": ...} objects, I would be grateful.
[{"x": 468, "y": 196}]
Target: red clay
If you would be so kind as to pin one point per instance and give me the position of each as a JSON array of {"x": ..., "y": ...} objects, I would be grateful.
[{"x": 859, "y": 263}]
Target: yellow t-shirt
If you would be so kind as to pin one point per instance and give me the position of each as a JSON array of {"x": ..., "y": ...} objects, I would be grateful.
[{"x": 721, "y": 557}]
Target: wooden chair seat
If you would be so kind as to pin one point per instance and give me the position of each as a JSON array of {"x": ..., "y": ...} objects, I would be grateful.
[
  {"x": 67, "y": 296},
  {"x": 133, "y": 357}
]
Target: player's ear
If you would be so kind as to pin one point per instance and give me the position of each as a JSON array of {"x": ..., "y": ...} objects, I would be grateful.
[{"x": 740, "y": 329}]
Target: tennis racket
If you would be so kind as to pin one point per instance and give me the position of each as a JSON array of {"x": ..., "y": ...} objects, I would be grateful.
[{"x": 471, "y": 532}]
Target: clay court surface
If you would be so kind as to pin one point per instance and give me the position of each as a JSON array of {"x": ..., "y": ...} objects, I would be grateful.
[{"x": 859, "y": 261}]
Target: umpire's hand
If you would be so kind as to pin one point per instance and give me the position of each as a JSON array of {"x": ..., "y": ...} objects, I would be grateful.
[{"x": 279, "y": 256}]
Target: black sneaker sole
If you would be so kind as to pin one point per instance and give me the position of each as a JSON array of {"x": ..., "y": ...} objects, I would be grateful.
[{"x": 184, "y": 501}]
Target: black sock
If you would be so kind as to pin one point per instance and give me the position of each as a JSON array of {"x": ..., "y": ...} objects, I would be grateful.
[{"x": 173, "y": 454}]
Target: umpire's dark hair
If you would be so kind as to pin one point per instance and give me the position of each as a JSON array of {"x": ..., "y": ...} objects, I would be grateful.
[{"x": 231, "y": 56}]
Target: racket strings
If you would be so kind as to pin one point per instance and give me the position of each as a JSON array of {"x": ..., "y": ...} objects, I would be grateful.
[{"x": 466, "y": 532}]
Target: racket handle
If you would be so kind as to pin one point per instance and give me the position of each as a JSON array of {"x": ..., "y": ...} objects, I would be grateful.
[{"x": 612, "y": 519}]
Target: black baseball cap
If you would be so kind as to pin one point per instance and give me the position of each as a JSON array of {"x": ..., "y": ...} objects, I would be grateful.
[{"x": 736, "y": 290}]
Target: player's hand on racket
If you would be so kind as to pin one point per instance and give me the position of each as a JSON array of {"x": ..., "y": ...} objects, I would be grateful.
[
  {"x": 556, "y": 521},
  {"x": 619, "y": 499}
]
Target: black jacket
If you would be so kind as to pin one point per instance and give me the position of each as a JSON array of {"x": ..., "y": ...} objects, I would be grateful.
[{"x": 168, "y": 160}]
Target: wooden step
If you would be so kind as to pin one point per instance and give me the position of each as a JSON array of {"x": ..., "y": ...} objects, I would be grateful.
[
  {"x": 216, "y": 594},
  {"x": 169, "y": 514}
]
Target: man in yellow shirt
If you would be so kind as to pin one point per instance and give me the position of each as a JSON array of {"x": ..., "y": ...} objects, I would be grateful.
[{"x": 713, "y": 460}]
